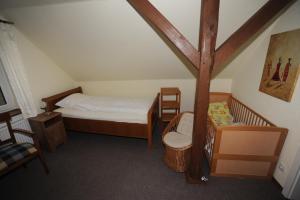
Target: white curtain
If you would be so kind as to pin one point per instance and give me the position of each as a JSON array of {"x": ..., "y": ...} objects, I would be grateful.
[{"x": 14, "y": 68}]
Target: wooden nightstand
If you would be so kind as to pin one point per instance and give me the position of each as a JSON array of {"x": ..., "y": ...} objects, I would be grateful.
[{"x": 50, "y": 129}]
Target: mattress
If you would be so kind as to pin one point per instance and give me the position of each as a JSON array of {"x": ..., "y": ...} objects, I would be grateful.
[{"x": 118, "y": 110}]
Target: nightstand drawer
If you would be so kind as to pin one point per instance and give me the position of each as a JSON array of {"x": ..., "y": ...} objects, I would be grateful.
[{"x": 52, "y": 121}]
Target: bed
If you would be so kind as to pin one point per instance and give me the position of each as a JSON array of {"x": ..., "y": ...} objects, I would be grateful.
[
  {"x": 250, "y": 148},
  {"x": 114, "y": 124}
]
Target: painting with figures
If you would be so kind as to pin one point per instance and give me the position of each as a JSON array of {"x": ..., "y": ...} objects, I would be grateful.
[{"x": 282, "y": 65}]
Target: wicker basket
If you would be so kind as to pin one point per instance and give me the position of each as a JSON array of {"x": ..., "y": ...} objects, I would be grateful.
[{"x": 176, "y": 158}]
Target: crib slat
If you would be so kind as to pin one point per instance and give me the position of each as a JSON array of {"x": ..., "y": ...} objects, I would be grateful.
[
  {"x": 244, "y": 115},
  {"x": 251, "y": 118},
  {"x": 236, "y": 110},
  {"x": 260, "y": 122},
  {"x": 241, "y": 113},
  {"x": 248, "y": 117},
  {"x": 210, "y": 142},
  {"x": 239, "y": 110},
  {"x": 255, "y": 123},
  {"x": 254, "y": 119},
  {"x": 233, "y": 109}
]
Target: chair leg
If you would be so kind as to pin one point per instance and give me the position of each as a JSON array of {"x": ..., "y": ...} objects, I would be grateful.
[
  {"x": 42, "y": 160},
  {"x": 39, "y": 153}
]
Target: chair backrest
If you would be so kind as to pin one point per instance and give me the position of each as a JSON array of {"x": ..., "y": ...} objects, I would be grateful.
[
  {"x": 185, "y": 125},
  {"x": 5, "y": 118}
]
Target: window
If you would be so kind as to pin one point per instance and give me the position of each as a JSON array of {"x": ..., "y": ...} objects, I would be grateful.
[{"x": 7, "y": 98}]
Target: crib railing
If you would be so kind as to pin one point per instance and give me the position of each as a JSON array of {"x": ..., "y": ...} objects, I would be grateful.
[
  {"x": 242, "y": 113},
  {"x": 210, "y": 138}
]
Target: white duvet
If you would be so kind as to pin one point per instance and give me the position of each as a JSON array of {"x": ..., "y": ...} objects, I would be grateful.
[{"x": 105, "y": 108}]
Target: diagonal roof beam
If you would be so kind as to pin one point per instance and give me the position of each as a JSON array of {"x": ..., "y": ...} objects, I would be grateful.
[
  {"x": 247, "y": 31},
  {"x": 155, "y": 18}
]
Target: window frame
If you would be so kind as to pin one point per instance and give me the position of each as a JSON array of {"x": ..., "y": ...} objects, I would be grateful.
[{"x": 7, "y": 92}]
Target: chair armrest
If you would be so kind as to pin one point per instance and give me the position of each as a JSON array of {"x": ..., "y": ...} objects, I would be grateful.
[
  {"x": 24, "y": 132},
  {"x": 31, "y": 135},
  {"x": 27, "y": 133}
]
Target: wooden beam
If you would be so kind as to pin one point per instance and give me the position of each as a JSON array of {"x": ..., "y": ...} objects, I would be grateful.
[
  {"x": 207, "y": 44},
  {"x": 155, "y": 18},
  {"x": 247, "y": 31}
]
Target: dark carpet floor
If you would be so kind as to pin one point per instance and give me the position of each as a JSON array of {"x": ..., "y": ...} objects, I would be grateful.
[{"x": 105, "y": 167}]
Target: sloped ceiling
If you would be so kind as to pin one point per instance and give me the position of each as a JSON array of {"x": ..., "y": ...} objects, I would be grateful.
[{"x": 107, "y": 40}]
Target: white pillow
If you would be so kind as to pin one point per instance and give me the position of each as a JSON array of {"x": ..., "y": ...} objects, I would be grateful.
[{"x": 72, "y": 100}]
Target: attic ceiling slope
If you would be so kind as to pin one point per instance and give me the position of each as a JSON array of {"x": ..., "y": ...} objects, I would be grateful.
[{"x": 96, "y": 40}]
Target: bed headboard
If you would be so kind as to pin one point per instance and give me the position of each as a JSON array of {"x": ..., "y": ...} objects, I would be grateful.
[
  {"x": 52, "y": 100},
  {"x": 219, "y": 97}
]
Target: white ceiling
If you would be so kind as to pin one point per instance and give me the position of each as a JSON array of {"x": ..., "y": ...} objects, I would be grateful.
[{"x": 108, "y": 40}]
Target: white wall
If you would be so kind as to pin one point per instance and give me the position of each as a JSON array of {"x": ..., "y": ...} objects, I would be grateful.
[
  {"x": 44, "y": 76},
  {"x": 246, "y": 84},
  {"x": 148, "y": 88}
]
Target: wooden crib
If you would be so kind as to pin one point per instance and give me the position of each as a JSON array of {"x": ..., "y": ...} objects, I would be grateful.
[{"x": 248, "y": 150}]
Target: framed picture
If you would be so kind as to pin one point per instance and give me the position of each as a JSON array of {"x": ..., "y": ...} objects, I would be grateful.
[{"x": 281, "y": 69}]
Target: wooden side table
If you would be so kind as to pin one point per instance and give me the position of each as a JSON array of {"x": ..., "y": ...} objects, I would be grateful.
[{"x": 50, "y": 129}]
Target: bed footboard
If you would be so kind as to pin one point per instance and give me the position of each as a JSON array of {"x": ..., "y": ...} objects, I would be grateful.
[{"x": 153, "y": 115}]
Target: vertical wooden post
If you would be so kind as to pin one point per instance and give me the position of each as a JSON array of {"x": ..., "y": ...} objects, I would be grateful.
[{"x": 207, "y": 43}]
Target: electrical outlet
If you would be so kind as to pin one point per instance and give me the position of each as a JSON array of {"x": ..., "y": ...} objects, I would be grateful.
[{"x": 281, "y": 167}]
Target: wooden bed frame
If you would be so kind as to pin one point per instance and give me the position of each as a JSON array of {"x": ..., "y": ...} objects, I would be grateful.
[
  {"x": 107, "y": 127},
  {"x": 249, "y": 150}
]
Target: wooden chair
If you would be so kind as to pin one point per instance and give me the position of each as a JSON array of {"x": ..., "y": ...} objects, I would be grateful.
[
  {"x": 177, "y": 154},
  {"x": 13, "y": 154}
]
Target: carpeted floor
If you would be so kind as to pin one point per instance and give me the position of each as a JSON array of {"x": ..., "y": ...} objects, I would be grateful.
[{"x": 106, "y": 167}]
